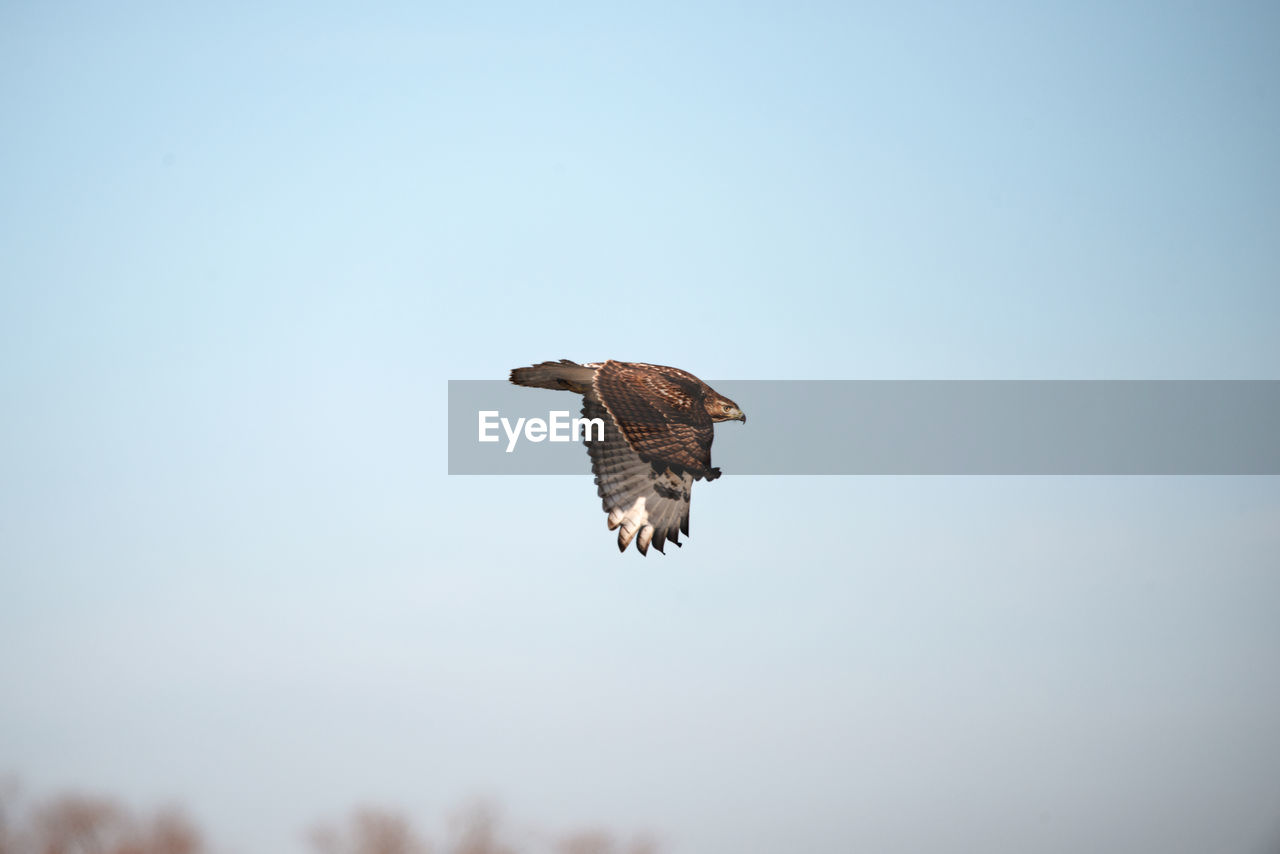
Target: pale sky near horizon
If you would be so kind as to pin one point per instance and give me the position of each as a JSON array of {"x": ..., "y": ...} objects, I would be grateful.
[{"x": 243, "y": 248}]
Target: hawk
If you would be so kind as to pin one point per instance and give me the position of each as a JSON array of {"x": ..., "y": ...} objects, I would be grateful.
[{"x": 657, "y": 440}]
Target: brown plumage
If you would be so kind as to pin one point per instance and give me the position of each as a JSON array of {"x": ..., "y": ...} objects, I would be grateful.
[{"x": 657, "y": 440}]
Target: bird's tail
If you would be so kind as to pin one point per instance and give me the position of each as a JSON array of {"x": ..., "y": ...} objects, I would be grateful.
[{"x": 558, "y": 375}]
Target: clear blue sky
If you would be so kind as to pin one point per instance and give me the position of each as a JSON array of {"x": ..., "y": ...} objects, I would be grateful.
[{"x": 242, "y": 248}]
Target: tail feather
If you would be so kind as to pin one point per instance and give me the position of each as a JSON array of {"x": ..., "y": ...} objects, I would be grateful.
[{"x": 558, "y": 375}]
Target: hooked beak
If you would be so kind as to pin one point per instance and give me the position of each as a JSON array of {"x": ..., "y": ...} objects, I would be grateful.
[{"x": 742, "y": 416}]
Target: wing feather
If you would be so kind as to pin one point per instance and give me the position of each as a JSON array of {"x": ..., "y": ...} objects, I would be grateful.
[{"x": 642, "y": 503}]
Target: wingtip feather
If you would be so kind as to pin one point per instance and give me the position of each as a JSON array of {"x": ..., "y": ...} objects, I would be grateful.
[{"x": 646, "y": 537}]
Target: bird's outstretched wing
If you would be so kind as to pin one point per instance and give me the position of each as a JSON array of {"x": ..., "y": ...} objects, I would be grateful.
[{"x": 644, "y": 503}]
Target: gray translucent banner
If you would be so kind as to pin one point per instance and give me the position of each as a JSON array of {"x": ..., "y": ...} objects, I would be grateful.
[{"x": 915, "y": 427}]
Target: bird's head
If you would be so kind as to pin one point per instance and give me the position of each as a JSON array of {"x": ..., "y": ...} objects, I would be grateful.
[{"x": 721, "y": 408}]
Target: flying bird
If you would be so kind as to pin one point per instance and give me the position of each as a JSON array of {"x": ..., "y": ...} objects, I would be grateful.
[{"x": 657, "y": 440}]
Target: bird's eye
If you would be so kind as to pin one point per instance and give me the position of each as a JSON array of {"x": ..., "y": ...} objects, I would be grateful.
[{"x": 726, "y": 407}]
